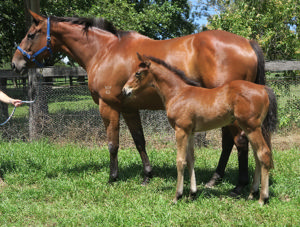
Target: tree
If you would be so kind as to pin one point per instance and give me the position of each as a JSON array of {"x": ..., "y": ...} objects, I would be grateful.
[
  {"x": 159, "y": 19},
  {"x": 273, "y": 23},
  {"x": 12, "y": 28}
]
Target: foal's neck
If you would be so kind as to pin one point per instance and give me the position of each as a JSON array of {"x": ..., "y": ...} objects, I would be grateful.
[{"x": 168, "y": 83}]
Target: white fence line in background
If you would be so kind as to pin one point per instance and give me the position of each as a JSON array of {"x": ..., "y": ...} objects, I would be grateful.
[{"x": 273, "y": 66}]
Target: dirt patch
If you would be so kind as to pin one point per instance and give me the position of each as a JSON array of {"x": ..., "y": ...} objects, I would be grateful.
[{"x": 286, "y": 141}]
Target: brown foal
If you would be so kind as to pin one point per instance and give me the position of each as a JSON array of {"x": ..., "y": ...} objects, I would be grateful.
[{"x": 192, "y": 109}]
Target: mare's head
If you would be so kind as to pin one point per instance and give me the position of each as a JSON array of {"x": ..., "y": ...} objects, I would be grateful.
[
  {"x": 140, "y": 79},
  {"x": 34, "y": 47}
]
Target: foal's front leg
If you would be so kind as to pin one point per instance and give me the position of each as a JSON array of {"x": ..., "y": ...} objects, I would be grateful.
[{"x": 182, "y": 145}]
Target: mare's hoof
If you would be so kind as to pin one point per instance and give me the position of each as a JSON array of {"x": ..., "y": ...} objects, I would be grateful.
[
  {"x": 146, "y": 181},
  {"x": 147, "y": 178},
  {"x": 112, "y": 180},
  {"x": 237, "y": 191},
  {"x": 216, "y": 178},
  {"x": 193, "y": 196}
]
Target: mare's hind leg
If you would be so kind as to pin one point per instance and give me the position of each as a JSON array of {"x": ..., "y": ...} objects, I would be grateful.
[
  {"x": 134, "y": 124},
  {"x": 227, "y": 144},
  {"x": 111, "y": 117},
  {"x": 232, "y": 135},
  {"x": 241, "y": 143},
  {"x": 263, "y": 157}
]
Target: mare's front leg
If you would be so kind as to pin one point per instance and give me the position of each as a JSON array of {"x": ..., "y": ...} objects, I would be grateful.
[
  {"x": 182, "y": 144},
  {"x": 134, "y": 124},
  {"x": 111, "y": 118}
]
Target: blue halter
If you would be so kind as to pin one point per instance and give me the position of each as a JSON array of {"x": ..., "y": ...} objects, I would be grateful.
[{"x": 47, "y": 47}]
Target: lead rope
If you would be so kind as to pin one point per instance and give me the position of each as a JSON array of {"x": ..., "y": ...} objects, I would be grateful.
[{"x": 27, "y": 102}]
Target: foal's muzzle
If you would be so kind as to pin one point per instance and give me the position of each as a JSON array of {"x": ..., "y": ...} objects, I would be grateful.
[{"x": 127, "y": 91}]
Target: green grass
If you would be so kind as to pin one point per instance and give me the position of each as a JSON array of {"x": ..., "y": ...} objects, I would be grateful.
[{"x": 66, "y": 185}]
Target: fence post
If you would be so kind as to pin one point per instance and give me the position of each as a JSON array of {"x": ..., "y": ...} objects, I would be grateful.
[
  {"x": 3, "y": 106},
  {"x": 38, "y": 111}
]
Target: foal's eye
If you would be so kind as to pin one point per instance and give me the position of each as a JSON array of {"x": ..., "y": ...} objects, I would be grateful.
[
  {"x": 30, "y": 36},
  {"x": 138, "y": 75}
]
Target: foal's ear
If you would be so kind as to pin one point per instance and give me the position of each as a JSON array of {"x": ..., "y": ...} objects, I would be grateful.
[{"x": 145, "y": 62}]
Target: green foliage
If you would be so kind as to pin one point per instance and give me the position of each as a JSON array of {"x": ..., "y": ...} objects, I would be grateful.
[
  {"x": 66, "y": 185},
  {"x": 156, "y": 19},
  {"x": 287, "y": 89},
  {"x": 269, "y": 22},
  {"x": 12, "y": 28}
]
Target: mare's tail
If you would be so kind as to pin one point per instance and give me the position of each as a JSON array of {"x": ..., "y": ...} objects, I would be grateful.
[{"x": 260, "y": 75}]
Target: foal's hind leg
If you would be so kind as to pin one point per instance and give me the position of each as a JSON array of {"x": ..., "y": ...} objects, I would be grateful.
[
  {"x": 182, "y": 144},
  {"x": 190, "y": 163},
  {"x": 134, "y": 124},
  {"x": 263, "y": 158}
]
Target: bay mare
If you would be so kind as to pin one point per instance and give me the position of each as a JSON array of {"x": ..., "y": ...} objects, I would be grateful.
[
  {"x": 109, "y": 57},
  {"x": 193, "y": 109}
]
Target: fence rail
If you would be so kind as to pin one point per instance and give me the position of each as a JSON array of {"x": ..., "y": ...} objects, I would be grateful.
[
  {"x": 273, "y": 66},
  {"x": 41, "y": 116}
]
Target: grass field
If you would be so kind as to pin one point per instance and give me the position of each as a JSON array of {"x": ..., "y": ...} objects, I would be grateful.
[{"x": 66, "y": 185}]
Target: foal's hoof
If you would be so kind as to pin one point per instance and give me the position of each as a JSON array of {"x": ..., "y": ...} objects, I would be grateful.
[
  {"x": 263, "y": 201},
  {"x": 253, "y": 195},
  {"x": 177, "y": 197},
  {"x": 216, "y": 178}
]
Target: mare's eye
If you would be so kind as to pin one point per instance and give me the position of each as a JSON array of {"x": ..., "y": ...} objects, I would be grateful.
[{"x": 30, "y": 36}]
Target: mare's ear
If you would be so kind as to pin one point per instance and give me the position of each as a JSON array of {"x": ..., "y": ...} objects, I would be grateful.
[{"x": 36, "y": 18}]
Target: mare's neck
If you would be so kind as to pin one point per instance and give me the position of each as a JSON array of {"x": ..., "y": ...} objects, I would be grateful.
[
  {"x": 168, "y": 83},
  {"x": 84, "y": 48}
]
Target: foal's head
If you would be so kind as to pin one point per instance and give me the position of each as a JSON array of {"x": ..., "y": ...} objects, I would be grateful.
[{"x": 141, "y": 79}]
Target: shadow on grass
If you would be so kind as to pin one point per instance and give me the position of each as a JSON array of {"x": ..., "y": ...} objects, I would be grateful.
[
  {"x": 203, "y": 175},
  {"x": 135, "y": 170},
  {"x": 78, "y": 169}
]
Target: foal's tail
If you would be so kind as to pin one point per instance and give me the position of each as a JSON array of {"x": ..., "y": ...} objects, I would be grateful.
[
  {"x": 260, "y": 75},
  {"x": 271, "y": 120}
]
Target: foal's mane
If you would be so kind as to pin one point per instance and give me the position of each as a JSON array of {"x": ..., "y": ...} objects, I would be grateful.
[
  {"x": 175, "y": 70},
  {"x": 87, "y": 23}
]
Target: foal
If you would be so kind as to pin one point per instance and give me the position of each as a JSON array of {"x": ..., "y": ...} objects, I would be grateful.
[{"x": 193, "y": 109}]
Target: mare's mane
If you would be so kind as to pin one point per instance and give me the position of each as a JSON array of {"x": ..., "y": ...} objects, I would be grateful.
[
  {"x": 87, "y": 23},
  {"x": 175, "y": 70}
]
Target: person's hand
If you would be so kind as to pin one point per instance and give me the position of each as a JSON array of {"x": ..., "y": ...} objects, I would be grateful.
[{"x": 16, "y": 102}]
